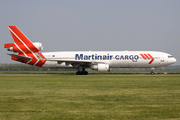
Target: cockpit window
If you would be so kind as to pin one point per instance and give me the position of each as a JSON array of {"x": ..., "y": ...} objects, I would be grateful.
[{"x": 170, "y": 56}]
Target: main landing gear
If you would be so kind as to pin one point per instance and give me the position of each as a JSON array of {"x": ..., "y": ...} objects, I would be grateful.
[{"x": 81, "y": 71}]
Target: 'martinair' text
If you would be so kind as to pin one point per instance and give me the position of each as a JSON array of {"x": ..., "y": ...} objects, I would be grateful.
[{"x": 105, "y": 57}]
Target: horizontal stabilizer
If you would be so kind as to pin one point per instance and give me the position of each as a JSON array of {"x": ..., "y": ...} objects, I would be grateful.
[
  {"x": 8, "y": 45},
  {"x": 20, "y": 57}
]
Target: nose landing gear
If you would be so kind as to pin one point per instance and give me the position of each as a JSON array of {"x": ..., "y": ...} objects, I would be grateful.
[{"x": 152, "y": 73}]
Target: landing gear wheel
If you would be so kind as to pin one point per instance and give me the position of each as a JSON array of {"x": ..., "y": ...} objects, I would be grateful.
[
  {"x": 81, "y": 73},
  {"x": 152, "y": 73},
  {"x": 152, "y": 69},
  {"x": 85, "y": 72},
  {"x": 78, "y": 73}
]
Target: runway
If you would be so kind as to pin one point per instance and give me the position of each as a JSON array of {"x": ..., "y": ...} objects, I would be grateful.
[{"x": 87, "y": 75}]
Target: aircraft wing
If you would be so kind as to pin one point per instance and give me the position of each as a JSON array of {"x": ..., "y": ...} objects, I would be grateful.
[
  {"x": 74, "y": 62},
  {"x": 20, "y": 57}
]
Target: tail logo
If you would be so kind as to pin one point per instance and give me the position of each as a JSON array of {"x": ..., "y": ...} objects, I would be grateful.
[
  {"x": 28, "y": 52},
  {"x": 147, "y": 57}
]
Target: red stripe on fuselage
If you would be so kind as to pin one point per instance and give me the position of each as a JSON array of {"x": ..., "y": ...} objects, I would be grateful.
[
  {"x": 151, "y": 58},
  {"x": 42, "y": 55},
  {"x": 41, "y": 62},
  {"x": 143, "y": 56},
  {"x": 147, "y": 56}
]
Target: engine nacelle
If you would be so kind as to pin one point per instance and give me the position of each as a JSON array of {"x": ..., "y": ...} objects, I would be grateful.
[
  {"x": 101, "y": 67},
  {"x": 38, "y": 45},
  {"x": 14, "y": 48}
]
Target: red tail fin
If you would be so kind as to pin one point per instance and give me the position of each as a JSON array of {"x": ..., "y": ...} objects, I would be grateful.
[
  {"x": 24, "y": 47},
  {"x": 22, "y": 41}
]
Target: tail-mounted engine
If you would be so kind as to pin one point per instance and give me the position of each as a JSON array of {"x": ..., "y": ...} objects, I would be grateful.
[
  {"x": 35, "y": 47},
  {"x": 101, "y": 67}
]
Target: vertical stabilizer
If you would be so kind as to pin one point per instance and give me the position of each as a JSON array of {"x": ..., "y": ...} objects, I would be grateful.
[{"x": 24, "y": 47}]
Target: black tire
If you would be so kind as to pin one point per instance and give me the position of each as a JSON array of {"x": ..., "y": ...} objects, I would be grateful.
[
  {"x": 85, "y": 72},
  {"x": 82, "y": 73},
  {"x": 152, "y": 73},
  {"x": 78, "y": 73}
]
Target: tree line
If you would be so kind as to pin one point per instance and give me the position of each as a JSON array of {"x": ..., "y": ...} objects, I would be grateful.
[{"x": 25, "y": 67}]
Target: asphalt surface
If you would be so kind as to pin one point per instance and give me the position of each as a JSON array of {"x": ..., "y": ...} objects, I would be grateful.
[{"x": 86, "y": 75}]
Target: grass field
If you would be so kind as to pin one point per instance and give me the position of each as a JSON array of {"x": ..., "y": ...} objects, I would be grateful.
[{"x": 89, "y": 97}]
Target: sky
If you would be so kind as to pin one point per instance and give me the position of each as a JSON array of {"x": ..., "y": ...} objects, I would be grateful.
[{"x": 96, "y": 25}]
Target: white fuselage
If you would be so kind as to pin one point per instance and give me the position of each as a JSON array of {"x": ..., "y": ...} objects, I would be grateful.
[
  {"x": 115, "y": 59},
  {"x": 102, "y": 61}
]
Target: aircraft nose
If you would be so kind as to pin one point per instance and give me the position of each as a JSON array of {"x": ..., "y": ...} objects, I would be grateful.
[
  {"x": 171, "y": 60},
  {"x": 174, "y": 60}
]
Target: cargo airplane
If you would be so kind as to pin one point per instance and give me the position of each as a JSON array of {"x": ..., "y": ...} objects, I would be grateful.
[{"x": 102, "y": 61}]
